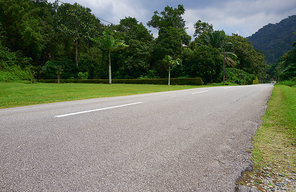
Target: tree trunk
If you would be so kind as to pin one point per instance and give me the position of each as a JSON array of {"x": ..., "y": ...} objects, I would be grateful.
[
  {"x": 76, "y": 47},
  {"x": 59, "y": 78},
  {"x": 110, "y": 78},
  {"x": 224, "y": 68},
  {"x": 169, "y": 83}
]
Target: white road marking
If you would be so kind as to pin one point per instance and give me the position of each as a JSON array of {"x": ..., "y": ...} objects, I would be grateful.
[
  {"x": 101, "y": 109},
  {"x": 200, "y": 92}
]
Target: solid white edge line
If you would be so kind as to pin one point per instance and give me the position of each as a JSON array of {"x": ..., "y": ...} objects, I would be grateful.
[
  {"x": 101, "y": 109},
  {"x": 200, "y": 92}
]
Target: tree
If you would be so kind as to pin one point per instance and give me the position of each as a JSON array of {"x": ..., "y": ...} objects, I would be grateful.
[
  {"x": 22, "y": 27},
  {"x": 77, "y": 21},
  {"x": 216, "y": 40},
  {"x": 171, "y": 17},
  {"x": 202, "y": 27},
  {"x": 59, "y": 72},
  {"x": 289, "y": 65},
  {"x": 248, "y": 59},
  {"x": 170, "y": 63},
  {"x": 204, "y": 62},
  {"x": 109, "y": 44},
  {"x": 133, "y": 62},
  {"x": 132, "y": 29},
  {"x": 168, "y": 43}
]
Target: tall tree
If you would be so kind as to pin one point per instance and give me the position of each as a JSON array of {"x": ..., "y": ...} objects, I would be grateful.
[
  {"x": 22, "y": 27},
  {"x": 249, "y": 59},
  {"x": 77, "y": 21},
  {"x": 171, "y": 17},
  {"x": 109, "y": 44},
  {"x": 202, "y": 27},
  {"x": 168, "y": 43},
  {"x": 133, "y": 62},
  {"x": 205, "y": 62},
  {"x": 216, "y": 40}
]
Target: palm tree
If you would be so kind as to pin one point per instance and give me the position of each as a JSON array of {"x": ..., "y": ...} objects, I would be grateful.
[
  {"x": 109, "y": 44},
  {"x": 59, "y": 72},
  {"x": 216, "y": 40},
  {"x": 170, "y": 62}
]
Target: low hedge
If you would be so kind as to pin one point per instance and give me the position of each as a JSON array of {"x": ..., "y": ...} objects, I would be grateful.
[{"x": 162, "y": 81}]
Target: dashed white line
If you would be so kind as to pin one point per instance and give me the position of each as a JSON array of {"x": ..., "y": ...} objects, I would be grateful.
[
  {"x": 200, "y": 92},
  {"x": 101, "y": 109}
]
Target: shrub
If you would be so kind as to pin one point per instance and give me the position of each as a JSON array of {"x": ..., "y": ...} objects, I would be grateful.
[
  {"x": 238, "y": 76},
  {"x": 13, "y": 73},
  {"x": 82, "y": 75},
  {"x": 290, "y": 83},
  {"x": 256, "y": 81}
]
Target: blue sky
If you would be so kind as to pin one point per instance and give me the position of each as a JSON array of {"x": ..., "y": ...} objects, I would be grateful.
[{"x": 243, "y": 17}]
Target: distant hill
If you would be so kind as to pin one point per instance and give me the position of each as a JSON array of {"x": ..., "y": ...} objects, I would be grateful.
[{"x": 275, "y": 39}]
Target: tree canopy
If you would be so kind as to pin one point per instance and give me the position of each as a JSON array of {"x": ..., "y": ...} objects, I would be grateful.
[
  {"x": 77, "y": 21},
  {"x": 202, "y": 27},
  {"x": 43, "y": 40}
]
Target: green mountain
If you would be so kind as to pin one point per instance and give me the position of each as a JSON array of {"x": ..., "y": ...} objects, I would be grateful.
[{"x": 275, "y": 39}]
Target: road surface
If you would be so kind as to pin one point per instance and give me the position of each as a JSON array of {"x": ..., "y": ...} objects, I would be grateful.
[{"x": 188, "y": 140}]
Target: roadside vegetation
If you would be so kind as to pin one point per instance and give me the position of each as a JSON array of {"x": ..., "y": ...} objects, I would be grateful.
[
  {"x": 290, "y": 83},
  {"x": 274, "y": 152},
  {"x": 44, "y": 40}
]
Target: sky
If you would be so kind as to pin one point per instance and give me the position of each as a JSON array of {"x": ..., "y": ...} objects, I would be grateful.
[{"x": 243, "y": 17}]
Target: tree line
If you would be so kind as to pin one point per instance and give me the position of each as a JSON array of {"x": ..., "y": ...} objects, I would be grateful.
[
  {"x": 44, "y": 40},
  {"x": 285, "y": 67}
]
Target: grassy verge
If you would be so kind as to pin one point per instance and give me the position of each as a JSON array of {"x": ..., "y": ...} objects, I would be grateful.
[
  {"x": 274, "y": 151},
  {"x": 21, "y": 94}
]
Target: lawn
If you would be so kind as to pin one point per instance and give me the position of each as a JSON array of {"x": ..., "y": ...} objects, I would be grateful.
[{"x": 21, "y": 94}]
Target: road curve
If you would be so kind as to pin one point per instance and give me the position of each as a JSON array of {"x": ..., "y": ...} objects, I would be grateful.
[{"x": 188, "y": 140}]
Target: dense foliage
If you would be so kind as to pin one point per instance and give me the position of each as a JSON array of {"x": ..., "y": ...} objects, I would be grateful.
[
  {"x": 275, "y": 39},
  {"x": 284, "y": 70},
  {"x": 44, "y": 40}
]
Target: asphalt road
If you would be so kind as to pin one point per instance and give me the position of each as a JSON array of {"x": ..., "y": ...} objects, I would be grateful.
[{"x": 189, "y": 140}]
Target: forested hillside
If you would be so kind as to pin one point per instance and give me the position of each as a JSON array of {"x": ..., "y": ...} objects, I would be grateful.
[
  {"x": 275, "y": 39},
  {"x": 44, "y": 40}
]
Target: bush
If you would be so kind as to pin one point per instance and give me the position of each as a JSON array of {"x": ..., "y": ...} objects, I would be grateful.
[
  {"x": 290, "y": 83},
  {"x": 82, "y": 75},
  {"x": 238, "y": 76},
  {"x": 162, "y": 81},
  {"x": 13, "y": 73},
  {"x": 256, "y": 81}
]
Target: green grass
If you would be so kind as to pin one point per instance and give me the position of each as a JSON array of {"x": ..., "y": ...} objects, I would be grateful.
[
  {"x": 22, "y": 94},
  {"x": 275, "y": 141},
  {"x": 278, "y": 121}
]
